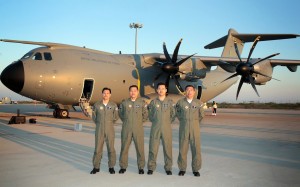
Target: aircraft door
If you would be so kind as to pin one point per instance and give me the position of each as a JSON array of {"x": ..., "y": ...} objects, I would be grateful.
[
  {"x": 199, "y": 94},
  {"x": 87, "y": 89}
]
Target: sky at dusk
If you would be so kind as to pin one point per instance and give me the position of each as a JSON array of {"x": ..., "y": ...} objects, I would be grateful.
[{"x": 104, "y": 25}]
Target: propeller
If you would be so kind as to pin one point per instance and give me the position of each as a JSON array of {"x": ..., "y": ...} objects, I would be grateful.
[
  {"x": 171, "y": 65},
  {"x": 245, "y": 69}
]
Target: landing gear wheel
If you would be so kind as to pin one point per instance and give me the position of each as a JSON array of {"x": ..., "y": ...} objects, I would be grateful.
[
  {"x": 63, "y": 113},
  {"x": 60, "y": 113}
]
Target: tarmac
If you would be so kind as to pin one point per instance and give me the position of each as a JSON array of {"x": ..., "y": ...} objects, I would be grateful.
[{"x": 240, "y": 147}]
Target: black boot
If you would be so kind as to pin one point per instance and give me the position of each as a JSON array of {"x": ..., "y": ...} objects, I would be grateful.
[
  {"x": 181, "y": 173},
  {"x": 141, "y": 171},
  {"x": 94, "y": 171},
  {"x": 122, "y": 171},
  {"x": 111, "y": 170},
  {"x": 196, "y": 174},
  {"x": 150, "y": 172},
  {"x": 169, "y": 172}
]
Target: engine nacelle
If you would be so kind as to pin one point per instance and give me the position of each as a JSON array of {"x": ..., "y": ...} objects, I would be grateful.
[
  {"x": 265, "y": 68},
  {"x": 193, "y": 69},
  {"x": 193, "y": 76}
]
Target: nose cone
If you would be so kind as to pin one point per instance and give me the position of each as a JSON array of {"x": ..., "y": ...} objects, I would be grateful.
[{"x": 13, "y": 76}]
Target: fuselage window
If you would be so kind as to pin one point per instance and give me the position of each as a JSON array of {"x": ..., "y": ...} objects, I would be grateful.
[
  {"x": 27, "y": 55},
  {"x": 37, "y": 56},
  {"x": 47, "y": 56}
]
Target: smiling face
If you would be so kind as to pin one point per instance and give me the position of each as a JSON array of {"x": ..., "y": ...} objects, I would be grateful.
[
  {"x": 161, "y": 90},
  {"x": 133, "y": 93},
  {"x": 190, "y": 92}
]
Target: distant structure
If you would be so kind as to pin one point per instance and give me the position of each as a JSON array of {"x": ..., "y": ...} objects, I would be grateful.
[
  {"x": 6, "y": 100},
  {"x": 135, "y": 26}
]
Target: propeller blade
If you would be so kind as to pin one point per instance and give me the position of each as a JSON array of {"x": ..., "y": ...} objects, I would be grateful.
[
  {"x": 253, "y": 47},
  {"x": 237, "y": 51},
  {"x": 239, "y": 87},
  {"x": 167, "y": 83},
  {"x": 175, "y": 54},
  {"x": 227, "y": 67},
  {"x": 264, "y": 75},
  {"x": 157, "y": 76},
  {"x": 178, "y": 84},
  {"x": 252, "y": 84},
  {"x": 234, "y": 75},
  {"x": 266, "y": 58},
  {"x": 183, "y": 60},
  {"x": 166, "y": 53}
]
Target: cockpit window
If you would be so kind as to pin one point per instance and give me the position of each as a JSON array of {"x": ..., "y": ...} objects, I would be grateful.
[
  {"x": 37, "y": 56},
  {"x": 47, "y": 56},
  {"x": 27, "y": 55}
]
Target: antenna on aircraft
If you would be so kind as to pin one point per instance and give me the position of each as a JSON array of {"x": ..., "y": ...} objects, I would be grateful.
[{"x": 135, "y": 26}]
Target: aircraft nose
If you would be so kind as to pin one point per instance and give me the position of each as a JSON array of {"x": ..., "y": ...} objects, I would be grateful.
[{"x": 13, "y": 76}]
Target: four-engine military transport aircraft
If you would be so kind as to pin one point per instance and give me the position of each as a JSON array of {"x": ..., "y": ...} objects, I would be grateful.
[{"x": 64, "y": 76}]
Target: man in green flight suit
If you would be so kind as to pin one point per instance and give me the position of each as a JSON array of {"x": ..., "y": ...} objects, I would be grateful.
[
  {"x": 190, "y": 113},
  {"x": 161, "y": 114},
  {"x": 133, "y": 112},
  {"x": 105, "y": 114}
]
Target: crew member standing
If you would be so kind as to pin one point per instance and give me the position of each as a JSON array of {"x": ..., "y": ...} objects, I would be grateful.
[
  {"x": 190, "y": 113},
  {"x": 161, "y": 114},
  {"x": 133, "y": 112},
  {"x": 105, "y": 114}
]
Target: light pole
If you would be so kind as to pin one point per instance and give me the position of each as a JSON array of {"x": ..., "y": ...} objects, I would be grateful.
[{"x": 136, "y": 26}]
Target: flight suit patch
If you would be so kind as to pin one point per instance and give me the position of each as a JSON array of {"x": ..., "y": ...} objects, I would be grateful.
[
  {"x": 157, "y": 106},
  {"x": 101, "y": 107},
  {"x": 186, "y": 107},
  {"x": 129, "y": 106},
  {"x": 137, "y": 106}
]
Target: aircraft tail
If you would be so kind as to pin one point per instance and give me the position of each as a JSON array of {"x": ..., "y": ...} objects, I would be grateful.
[
  {"x": 233, "y": 36},
  {"x": 228, "y": 43}
]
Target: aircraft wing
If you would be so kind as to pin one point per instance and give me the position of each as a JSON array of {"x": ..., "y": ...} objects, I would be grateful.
[
  {"x": 290, "y": 64},
  {"x": 47, "y": 44},
  {"x": 214, "y": 61}
]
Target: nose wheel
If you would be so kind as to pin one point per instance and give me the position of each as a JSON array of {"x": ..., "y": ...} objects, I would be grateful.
[{"x": 60, "y": 113}]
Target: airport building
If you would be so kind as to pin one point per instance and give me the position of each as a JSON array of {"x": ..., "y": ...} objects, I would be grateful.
[{"x": 6, "y": 100}]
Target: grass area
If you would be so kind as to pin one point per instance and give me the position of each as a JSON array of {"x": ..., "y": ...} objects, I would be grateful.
[{"x": 287, "y": 106}]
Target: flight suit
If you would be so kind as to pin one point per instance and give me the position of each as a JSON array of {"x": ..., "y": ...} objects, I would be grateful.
[
  {"x": 133, "y": 114},
  {"x": 190, "y": 116},
  {"x": 161, "y": 114},
  {"x": 104, "y": 118}
]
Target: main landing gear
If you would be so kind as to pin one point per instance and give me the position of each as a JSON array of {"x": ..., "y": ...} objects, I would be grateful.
[{"x": 60, "y": 113}]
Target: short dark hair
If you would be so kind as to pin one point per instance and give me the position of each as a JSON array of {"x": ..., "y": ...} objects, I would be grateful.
[
  {"x": 133, "y": 86},
  {"x": 105, "y": 88},
  {"x": 189, "y": 86},
  {"x": 160, "y": 84}
]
